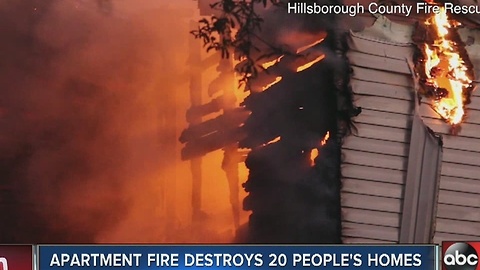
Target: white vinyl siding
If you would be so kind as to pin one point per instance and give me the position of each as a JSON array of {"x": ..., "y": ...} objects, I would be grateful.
[
  {"x": 458, "y": 210},
  {"x": 376, "y": 158}
]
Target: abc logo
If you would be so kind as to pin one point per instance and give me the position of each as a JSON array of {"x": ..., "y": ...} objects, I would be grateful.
[
  {"x": 460, "y": 256},
  {"x": 3, "y": 263}
]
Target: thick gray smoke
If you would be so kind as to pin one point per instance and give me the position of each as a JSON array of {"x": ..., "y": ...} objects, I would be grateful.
[{"x": 92, "y": 99}]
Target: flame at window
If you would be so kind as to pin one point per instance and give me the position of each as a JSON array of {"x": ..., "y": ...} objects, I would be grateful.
[
  {"x": 314, "y": 152},
  {"x": 446, "y": 76}
]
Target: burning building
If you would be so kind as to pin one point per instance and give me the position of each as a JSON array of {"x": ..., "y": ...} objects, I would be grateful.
[
  {"x": 96, "y": 158},
  {"x": 287, "y": 127},
  {"x": 407, "y": 175}
]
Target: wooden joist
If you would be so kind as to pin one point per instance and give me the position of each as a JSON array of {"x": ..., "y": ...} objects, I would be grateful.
[
  {"x": 213, "y": 106},
  {"x": 264, "y": 80},
  {"x": 229, "y": 120},
  {"x": 211, "y": 142},
  {"x": 290, "y": 63}
]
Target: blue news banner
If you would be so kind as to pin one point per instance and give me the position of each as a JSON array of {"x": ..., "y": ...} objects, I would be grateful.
[{"x": 237, "y": 256}]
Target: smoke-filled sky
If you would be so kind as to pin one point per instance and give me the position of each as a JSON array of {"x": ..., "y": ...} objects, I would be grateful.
[{"x": 92, "y": 101}]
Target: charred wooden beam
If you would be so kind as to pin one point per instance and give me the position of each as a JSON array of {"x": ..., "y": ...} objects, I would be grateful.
[
  {"x": 279, "y": 66},
  {"x": 229, "y": 120},
  {"x": 213, "y": 106},
  {"x": 211, "y": 142}
]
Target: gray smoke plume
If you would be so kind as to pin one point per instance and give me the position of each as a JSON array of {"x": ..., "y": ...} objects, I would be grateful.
[{"x": 88, "y": 118}]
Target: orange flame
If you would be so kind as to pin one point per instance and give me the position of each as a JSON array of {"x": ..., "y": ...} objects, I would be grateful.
[
  {"x": 273, "y": 141},
  {"x": 325, "y": 139},
  {"x": 268, "y": 64},
  {"x": 445, "y": 69},
  {"x": 279, "y": 78},
  {"x": 308, "y": 46},
  {"x": 311, "y": 63},
  {"x": 314, "y": 153}
]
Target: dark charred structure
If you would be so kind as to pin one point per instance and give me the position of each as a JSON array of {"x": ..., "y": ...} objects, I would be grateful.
[{"x": 292, "y": 200}]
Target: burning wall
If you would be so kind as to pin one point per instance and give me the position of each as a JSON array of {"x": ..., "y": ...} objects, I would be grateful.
[
  {"x": 377, "y": 158},
  {"x": 379, "y": 174},
  {"x": 446, "y": 73},
  {"x": 457, "y": 171},
  {"x": 292, "y": 191}
]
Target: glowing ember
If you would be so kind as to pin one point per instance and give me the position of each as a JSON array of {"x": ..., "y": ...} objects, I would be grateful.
[
  {"x": 279, "y": 78},
  {"x": 306, "y": 47},
  {"x": 273, "y": 141},
  {"x": 325, "y": 139},
  {"x": 271, "y": 63},
  {"x": 313, "y": 156},
  {"x": 314, "y": 153},
  {"x": 445, "y": 70},
  {"x": 311, "y": 63}
]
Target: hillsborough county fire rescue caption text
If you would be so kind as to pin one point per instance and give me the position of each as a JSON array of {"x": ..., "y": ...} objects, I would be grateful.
[{"x": 376, "y": 8}]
